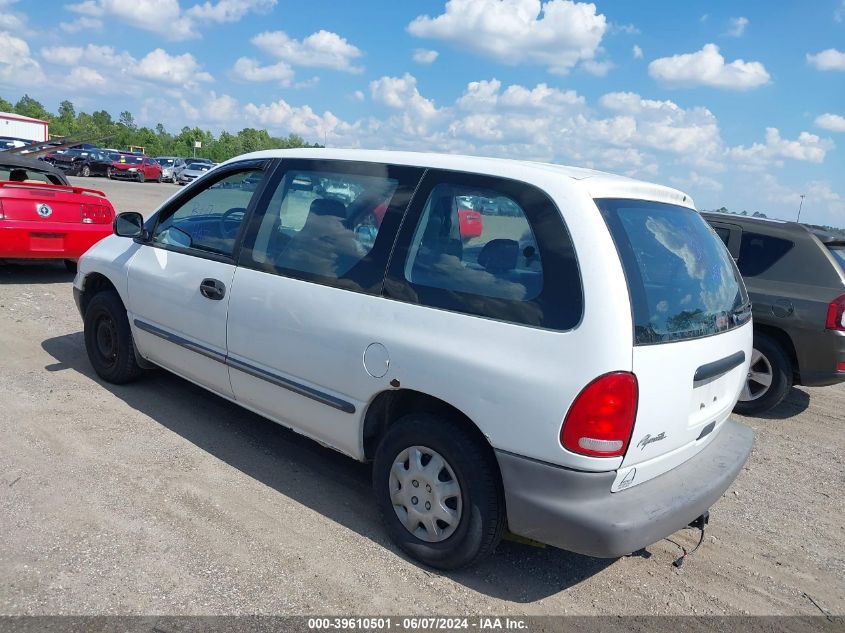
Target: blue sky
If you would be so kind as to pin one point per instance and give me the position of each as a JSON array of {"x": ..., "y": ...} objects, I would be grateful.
[{"x": 740, "y": 104}]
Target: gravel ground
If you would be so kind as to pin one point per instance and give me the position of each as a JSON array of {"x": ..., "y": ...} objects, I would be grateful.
[{"x": 159, "y": 498}]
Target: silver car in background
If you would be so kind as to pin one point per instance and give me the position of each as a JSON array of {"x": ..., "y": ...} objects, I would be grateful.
[
  {"x": 193, "y": 169},
  {"x": 170, "y": 167}
]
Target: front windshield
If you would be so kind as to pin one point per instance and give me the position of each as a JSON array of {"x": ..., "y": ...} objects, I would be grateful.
[
  {"x": 682, "y": 280},
  {"x": 165, "y": 162},
  {"x": 131, "y": 160}
]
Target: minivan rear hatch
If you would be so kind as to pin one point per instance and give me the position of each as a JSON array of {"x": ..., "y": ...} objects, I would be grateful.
[{"x": 691, "y": 351}]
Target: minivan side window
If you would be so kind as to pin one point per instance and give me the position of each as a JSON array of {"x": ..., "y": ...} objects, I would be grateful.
[
  {"x": 331, "y": 222},
  {"x": 488, "y": 247},
  {"x": 211, "y": 219},
  {"x": 758, "y": 253}
]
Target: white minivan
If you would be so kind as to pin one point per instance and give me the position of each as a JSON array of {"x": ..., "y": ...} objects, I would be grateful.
[{"x": 514, "y": 345}]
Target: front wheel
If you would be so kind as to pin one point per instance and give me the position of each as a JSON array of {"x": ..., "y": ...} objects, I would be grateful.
[
  {"x": 86, "y": 171},
  {"x": 439, "y": 491},
  {"x": 768, "y": 380},
  {"x": 141, "y": 177},
  {"x": 108, "y": 339}
]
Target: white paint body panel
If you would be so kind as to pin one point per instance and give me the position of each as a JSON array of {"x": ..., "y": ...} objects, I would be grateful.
[
  {"x": 516, "y": 383},
  {"x": 164, "y": 291}
]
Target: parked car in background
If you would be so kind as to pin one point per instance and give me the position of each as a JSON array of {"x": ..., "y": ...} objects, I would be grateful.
[
  {"x": 192, "y": 171},
  {"x": 136, "y": 167},
  {"x": 84, "y": 162},
  {"x": 576, "y": 389},
  {"x": 170, "y": 167},
  {"x": 795, "y": 277},
  {"x": 43, "y": 217}
]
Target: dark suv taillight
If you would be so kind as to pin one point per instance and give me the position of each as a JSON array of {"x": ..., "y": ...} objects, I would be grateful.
[
  {"x": 836, "y": 314},
  {"x": 601, "y": 419}
]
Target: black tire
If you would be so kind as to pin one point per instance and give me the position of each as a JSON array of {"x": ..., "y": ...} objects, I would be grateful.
[
  {"x": 482, "y": 521},
  {"x": 108, "y": 339},
  {"x": 158, "y": 178},
  {"x": 71, "y": 266},
  {"x": 141, "y": 176},
  {"x": 109, "y": 173},
  {"x": 781, "y": 368},
  {"x": 86, "y": 171}
]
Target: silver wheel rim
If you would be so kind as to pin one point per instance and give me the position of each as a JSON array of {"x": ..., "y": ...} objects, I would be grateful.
[
  {"x": 759, "y": 378},
  {"x": 425, "y": 494}
]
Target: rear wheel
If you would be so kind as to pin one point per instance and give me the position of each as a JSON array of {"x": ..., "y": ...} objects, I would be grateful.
[
  {"x": 109, "y": 173},
  {"x": 438, "y": 490},
  {"x": 769, "y": 377},
  {"x": 108, "y": 339},
  {"x": 86, "y": 170}
]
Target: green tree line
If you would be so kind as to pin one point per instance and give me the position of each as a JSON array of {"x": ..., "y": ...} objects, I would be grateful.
[{"x": 100, "y": 128}]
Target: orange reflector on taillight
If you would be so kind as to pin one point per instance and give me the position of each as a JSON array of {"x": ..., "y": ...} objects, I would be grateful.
[{"x": 601, "y": 419}]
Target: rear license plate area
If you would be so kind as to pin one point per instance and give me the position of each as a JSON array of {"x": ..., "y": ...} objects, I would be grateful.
[{"x": 47, "y": 242}]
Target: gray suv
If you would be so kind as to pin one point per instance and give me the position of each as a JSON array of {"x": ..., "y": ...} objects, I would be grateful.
[{"x": 795, "y": 275}]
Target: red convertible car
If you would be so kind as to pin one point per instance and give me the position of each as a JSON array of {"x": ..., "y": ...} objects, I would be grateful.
[{"x": 44, "y": 217}]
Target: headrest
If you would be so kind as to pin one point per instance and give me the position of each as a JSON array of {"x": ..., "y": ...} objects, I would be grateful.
[
  {"x": 499, "y": 255},
  {"x": 328, "y": 207}
]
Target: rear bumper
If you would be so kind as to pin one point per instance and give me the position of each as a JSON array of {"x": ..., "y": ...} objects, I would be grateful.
[
  {"x": 576, "y": 511},
  {"x": 42, "y": 240},
  {"x": 819, "y": 354}
]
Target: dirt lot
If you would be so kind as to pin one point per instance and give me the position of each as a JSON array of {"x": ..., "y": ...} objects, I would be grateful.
[{"x": 160, "y": 498}]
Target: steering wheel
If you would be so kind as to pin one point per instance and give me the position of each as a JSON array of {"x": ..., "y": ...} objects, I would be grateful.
[{"x": 230, "y": 222}]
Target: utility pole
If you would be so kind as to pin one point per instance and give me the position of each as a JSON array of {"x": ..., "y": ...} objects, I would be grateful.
[{"x": 800, "y": 204}]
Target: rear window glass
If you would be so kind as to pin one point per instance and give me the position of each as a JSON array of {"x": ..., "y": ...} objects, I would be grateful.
[
  {"x": 682, "y": 280},
  {"x": 758, "y": 253}
]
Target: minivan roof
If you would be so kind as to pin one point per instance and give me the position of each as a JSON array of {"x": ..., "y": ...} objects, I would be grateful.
[{"x": 597, "y": 183}]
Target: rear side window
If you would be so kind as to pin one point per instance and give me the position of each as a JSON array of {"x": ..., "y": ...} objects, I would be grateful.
[
  {"x": 758, "y": 253},
  {"x": 683, "y": 282},
  {"x": 488, "y": 247},
  {"x": 464, "y": 243}
]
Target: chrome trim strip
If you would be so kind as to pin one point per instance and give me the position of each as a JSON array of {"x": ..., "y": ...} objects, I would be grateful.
[
  {"x": 290, "y": 385},
  {"x": 252, "y": 370},
  {"x": 182, "y": 342}
]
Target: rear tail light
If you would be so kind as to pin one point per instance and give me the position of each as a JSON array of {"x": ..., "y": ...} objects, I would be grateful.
[
  {"x": 601, "y": 419},
  {"x": 96, "y": 214},
  {"x": 836, "y": 314}
]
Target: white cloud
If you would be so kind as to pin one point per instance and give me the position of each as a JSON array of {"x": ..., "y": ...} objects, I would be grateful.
[
  {"x": 694, "y": 182},
  {"x": 248, "y": 69},
  {"x": 160, "y": 66},
  {"x": 425, "y": 56},
  {"x": 80, "y": 24},
  {"x": 807, "y": 147},
  {"x": 597, "y": 68},
  {"x": 557, "y": 34},
  {"x": 63, "y": 55},
  {"x": 228, "y": 10},
  {"x": 17, "y": 67},
  {"x": 737, "y": 26},
  {"x": 11, "y": 20},
  {"x": 322, "y": 49},
  {"x": 84, "y": 77},
  {"x": 166, "y": 17},
  {"x": 401, "y": 93},
  {"x": 627, "y": 29},
  {"x": 707, "y": 67},
  {"x": 300, "y": 120},
  {"x": 830, "y": 59},
  {"x": 637, "y": 52},
  {"x": 358, "y": 95},
  {"x": 832, "y": 122}
]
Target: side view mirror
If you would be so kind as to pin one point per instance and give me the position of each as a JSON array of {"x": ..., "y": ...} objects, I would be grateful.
[{"x": 128, "y": 224}]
